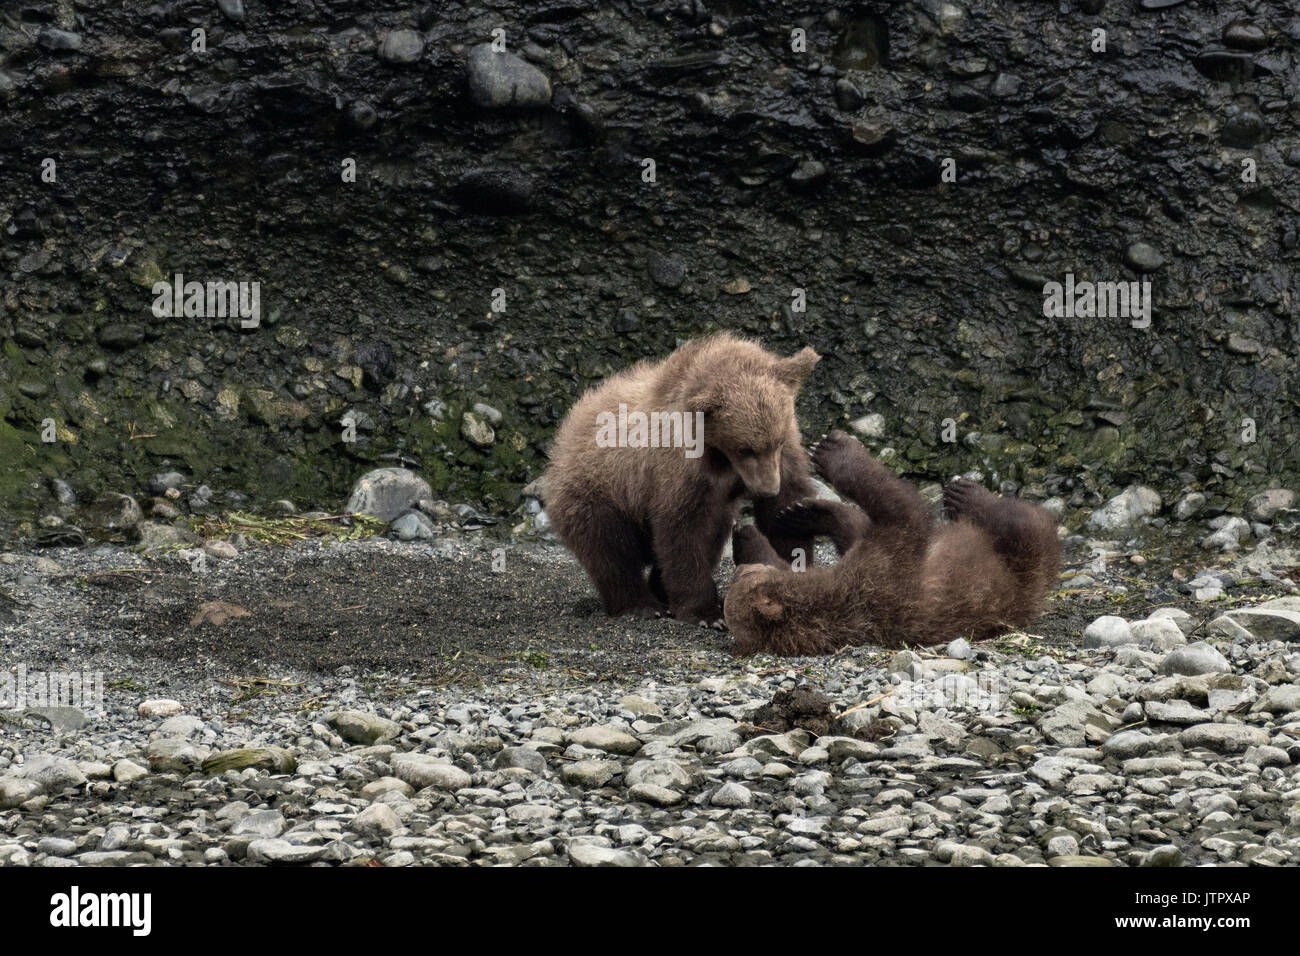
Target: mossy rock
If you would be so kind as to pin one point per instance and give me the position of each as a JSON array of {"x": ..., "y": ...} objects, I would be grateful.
[
  {"x": 146, "y": 273},
  {"x": 274, "y": 759}
]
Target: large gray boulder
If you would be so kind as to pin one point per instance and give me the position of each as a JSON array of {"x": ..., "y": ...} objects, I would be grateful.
[
  {"x": 386, "y": 492},
  {"x": 1126, "y": 509},
  {"x": 500, "y": 80},
  {"x": 1198, "y": 658}
]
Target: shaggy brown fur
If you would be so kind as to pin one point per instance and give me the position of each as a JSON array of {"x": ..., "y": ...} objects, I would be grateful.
[
  {"x": 621, "y": 510},
  {"x": 902, "y": 577}
]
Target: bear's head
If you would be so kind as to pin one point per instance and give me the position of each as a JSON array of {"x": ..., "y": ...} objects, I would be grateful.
[
  {"x": 750, "y": 608},
  {"x": 749, "y": 417}
]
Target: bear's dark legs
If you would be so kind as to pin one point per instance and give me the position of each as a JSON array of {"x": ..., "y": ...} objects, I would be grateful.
[
  {"x": 749, "y": 546},
  {"x": 614, "y": 552},
  {"x": 657, "y": 585},
  {"x": 795, "y": 486},
  {"x": 1023, "y": 534},
  {"x": 685, "y": 562},
  {"x": 844, "y": 524},
  {"x": 886, "y": 498}
]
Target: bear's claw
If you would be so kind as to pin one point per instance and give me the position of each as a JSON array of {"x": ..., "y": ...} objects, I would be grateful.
[
  {"x": 709, "y": 617},
  {"x": 838, "y": 456},
  {"x": 964, "y": 498},
  {"x": 649, "y": 612}
]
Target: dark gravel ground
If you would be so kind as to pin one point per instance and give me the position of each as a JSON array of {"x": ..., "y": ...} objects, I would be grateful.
[
  {"x": 446, "y": 616},
  {"x": 436, "y": 614},
  {"x": 440, "y": 615}
]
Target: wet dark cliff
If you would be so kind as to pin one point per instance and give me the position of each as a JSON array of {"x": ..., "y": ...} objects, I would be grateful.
[{"x": 501, "y": 243}]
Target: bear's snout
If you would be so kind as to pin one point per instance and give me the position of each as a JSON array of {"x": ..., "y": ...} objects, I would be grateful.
[{"x": 762, "y": 479}]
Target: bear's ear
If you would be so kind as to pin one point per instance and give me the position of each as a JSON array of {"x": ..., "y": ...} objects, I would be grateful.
[
  {"x": 793, "y": 370},
  {"x": 768, "y": 608}
]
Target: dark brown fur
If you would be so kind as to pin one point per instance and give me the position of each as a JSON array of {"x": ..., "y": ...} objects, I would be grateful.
[
  {"x": 623, "y": 510},
  {"x": 902, "y": 578}
]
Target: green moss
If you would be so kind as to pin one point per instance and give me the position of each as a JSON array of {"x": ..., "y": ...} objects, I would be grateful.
[
  {"x": 146, "y": 273},
  {"x": 14, "y": 354},
  {"x": 1105, "y": 445},
  {"x": 21, "y": 460},
  {"x": 283, "y": 447}
]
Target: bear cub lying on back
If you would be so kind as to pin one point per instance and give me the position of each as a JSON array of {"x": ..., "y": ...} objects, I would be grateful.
[
  {"x": 624, "y": 505},
  {"x": 902, "y": 578}
]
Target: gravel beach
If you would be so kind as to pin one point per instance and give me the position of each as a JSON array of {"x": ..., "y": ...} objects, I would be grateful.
[{"x": 402, "y": 703}]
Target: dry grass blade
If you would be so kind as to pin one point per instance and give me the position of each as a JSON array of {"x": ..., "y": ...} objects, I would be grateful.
[{"x": 286, "y": 529}]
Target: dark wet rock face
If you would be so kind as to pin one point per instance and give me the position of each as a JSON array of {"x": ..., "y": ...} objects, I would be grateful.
[{"x": 431, "y": 221}]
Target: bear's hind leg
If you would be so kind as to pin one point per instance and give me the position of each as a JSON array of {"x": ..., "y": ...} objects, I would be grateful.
[
  {"x": 1023, "y": 535},
  {"x": 963, "y": 498}
]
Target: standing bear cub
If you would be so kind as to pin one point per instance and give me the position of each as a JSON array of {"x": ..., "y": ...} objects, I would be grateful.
[
  {"x": 902, "y": 578},
  {"x": 649, "y": 467}
]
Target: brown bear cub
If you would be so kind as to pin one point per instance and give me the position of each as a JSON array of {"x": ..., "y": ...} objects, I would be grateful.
[
  {"x": 649, "y": 467},
  {"x": 902, "y": 578}
]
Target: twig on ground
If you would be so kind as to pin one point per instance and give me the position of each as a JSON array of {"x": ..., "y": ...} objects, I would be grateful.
[{"x": 866, "y": 703}]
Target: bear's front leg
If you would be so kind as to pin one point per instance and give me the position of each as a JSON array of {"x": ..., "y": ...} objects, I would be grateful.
[
  {"x": 686, "y": 558},
  {"x": 796, "y": 485},
  {"x": 843, "y": 523},
  {"x": 748, "y": 546},
  {"x": 886, "y": 498}
]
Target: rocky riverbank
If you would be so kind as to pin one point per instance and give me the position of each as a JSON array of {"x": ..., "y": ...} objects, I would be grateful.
[{"x": 404, "y": 702}]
